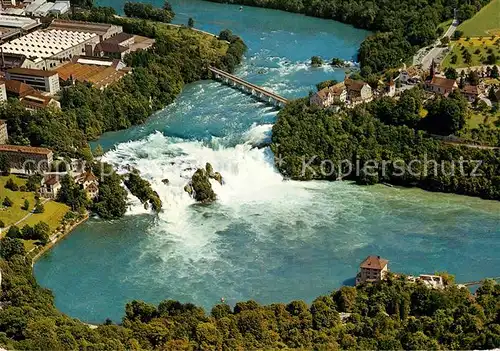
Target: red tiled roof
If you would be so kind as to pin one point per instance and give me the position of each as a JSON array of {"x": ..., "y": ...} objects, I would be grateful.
[
  {"x": 443, "y": 82},
  {"x": 36, "y": 99},
  {"x": 18, "y": 88},
  {"x": 374, "y": 262},
  {"x": 119, "y": 38},
  {"x": 51, "y": 180},
  {"x": 470, "y": 89},
  {"x": 355, "y": 85},
  {"x": 337, "y": 89},
  {"x": 25, "y": 149},
  {"x": 110, "y": 47}
]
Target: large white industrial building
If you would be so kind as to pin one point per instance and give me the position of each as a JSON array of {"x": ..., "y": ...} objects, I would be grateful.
[{"x": 48, "y": 48}]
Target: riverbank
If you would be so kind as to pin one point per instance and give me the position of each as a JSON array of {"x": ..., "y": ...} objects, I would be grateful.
[
  {"x": 38, "y": 251},
  {"x": 394, "y": 41}
]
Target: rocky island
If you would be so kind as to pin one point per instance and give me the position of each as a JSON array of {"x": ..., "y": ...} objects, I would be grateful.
[{"x": 200, "y": 187}]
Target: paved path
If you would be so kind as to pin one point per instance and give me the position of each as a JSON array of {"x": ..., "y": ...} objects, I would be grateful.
[{"x": 436, "y": 51}]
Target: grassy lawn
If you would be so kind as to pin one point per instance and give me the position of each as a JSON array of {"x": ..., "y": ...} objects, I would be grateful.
[
  {"x": 485, "y": 22},
  {"x": 479, "y": 48},
  {"x": 12, "y": 214},
  {"x": 52, "y": 215},
  {"x": 478, "y": 118}
]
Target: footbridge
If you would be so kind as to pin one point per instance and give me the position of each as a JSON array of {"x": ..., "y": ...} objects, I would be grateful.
[{"x": 249, "y": 88}]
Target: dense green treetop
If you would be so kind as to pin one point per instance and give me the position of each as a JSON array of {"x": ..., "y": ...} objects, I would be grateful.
[
  {"x": 318, "y": 144},
  {"x": 396, "y": 314}
]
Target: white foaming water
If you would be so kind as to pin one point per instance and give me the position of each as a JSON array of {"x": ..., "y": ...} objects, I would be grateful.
[
  {"x": 254, "y": 194},
  {"x": 258, "y": 134}
]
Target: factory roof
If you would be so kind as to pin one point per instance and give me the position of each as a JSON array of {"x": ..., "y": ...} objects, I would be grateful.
[
  {"x": 80, "y": 26},
  {"x": 25, "y": 23},
  {"x": 46, "y": 43}
]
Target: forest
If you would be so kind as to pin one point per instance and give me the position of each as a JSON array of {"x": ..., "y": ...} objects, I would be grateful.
[
  {"x": 400, "y": 27},
  {"x": 148, "y": 12},
  {"x": 385, "y": 141},
  {"x": 395, "y": 314}
]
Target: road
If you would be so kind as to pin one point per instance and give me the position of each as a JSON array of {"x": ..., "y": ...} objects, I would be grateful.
[{"x": 436, "y": 51}]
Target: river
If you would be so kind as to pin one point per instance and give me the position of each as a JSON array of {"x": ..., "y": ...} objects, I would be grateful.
[{"x": 264, "y": 239}]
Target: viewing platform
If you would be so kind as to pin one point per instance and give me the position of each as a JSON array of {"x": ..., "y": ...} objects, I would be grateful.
[{"x": 249, "y": 88}]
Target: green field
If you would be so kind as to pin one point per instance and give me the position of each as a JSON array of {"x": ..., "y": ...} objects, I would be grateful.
[
  {"x": 479, "y": 48},
  {"x": 485, "y": 22},
  {"x": 477, "y": 118},
  {"x": 52, "y": 215}
]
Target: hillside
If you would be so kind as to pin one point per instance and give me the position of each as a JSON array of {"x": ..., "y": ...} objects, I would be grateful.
[{"x": 485, "y": 22}]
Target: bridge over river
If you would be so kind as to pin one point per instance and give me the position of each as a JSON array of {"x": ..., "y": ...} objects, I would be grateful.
[
  {"x": 479, "y": 282},
  {"x": 256, "y": 91}
]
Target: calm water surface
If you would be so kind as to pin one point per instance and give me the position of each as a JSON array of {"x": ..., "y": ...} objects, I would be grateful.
[{"x": 264, "y": 239}]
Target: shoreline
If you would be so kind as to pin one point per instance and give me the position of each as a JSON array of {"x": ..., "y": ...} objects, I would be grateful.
[{"x": 54, "y": 240}]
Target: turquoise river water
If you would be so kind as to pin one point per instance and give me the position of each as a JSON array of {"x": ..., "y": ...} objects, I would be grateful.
[{"x": 264, "y": 239}]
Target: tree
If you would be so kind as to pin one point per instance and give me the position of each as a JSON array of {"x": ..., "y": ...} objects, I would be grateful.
[
  {"x": 491, "y": 59},
  {"x": 454, "y": 59},
  {"x": 98, "y": 151},
  {"x": 2, "y": 224},
  {"x": 491, "y": 94},
  {"x": 473, "y": 78},
  {"x": 33, "y": 182},
  {"x": 316, "y": 61},
  {"x": 451, "y": 73},
  {"x": 111, "y": 201},
  {"x": 457, "y": 34},
  {"x": 4, "y": 164},
  {"x": 226, "y": 35},
  {"x": 83, "y": 4},
  {"x": 446, "y": 116},
  {"x": 141, "y": 188},
  {"x": 71, "y": 194},
  {"x": 10, "y": 184},
  {"x": 39, "y": 208},
  {"x": 41, "y": 232},
  {"x": 14, "y": 232},
  {"x": 494, "y": 72},
  {"x": 7, "y": 202},
  {"x": 26, "y": 205},
  {"x": 337, "y": 62},
  {"x": 190, "y": 22},
  {"x": 27, "y": 232},
  {"x": 10, "y": 247}
]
